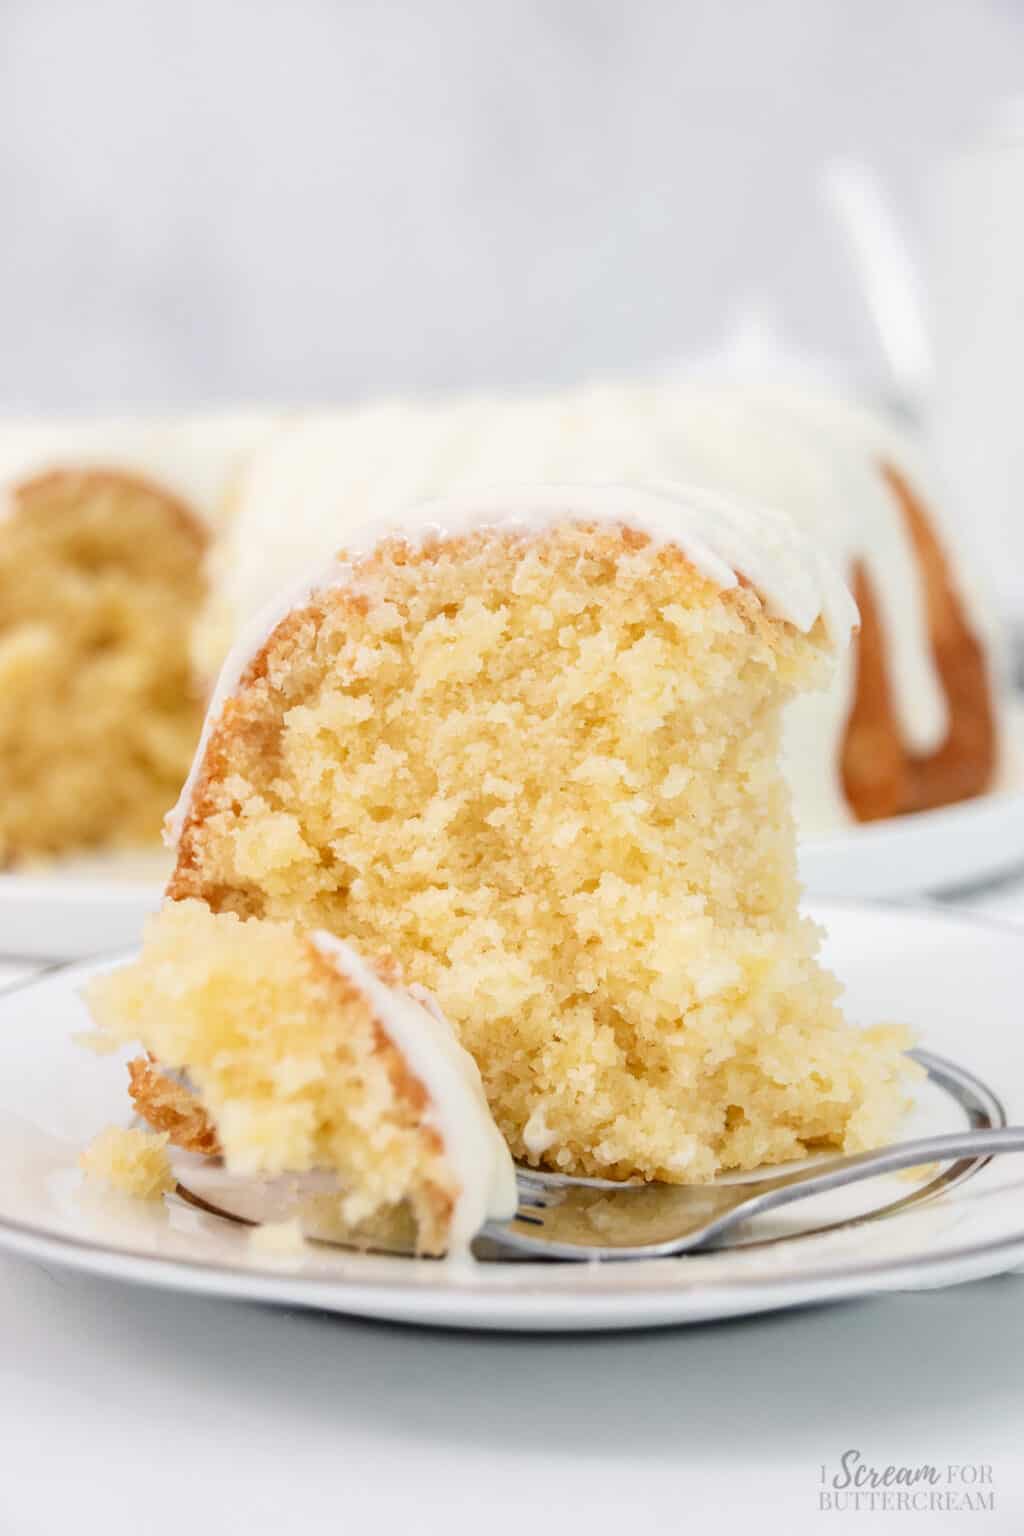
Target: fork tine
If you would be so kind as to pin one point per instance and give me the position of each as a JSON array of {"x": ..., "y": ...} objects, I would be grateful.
[{"x": 528, "y": 1217}]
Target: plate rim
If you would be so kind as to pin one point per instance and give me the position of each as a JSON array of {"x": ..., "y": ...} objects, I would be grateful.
[{"x": 496, "y": 1309}]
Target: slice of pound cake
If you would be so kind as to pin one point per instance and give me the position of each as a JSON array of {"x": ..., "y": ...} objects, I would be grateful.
[
  {"x": 527, "y": 745},
  {"x": 287, "y": 1051}
]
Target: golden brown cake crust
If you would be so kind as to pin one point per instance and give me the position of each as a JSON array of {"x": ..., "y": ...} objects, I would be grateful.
[
  {"x": 965, "y": 763},
  {"x": 875, "y": 768},
  {"x": 168, "y": 1106},
  {"x": 881, "y": 776}
]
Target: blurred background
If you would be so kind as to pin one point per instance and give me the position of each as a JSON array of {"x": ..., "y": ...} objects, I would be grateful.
[{"x": 298, "y": 200}]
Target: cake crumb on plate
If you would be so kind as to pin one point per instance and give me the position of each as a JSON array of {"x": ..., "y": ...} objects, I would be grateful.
[
  {"x": 133, "y": 1162},
  {"x": 278, "y": 1239}
]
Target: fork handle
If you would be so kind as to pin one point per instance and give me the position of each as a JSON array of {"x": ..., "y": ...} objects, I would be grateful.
[{"x": 865, "y": 1165}]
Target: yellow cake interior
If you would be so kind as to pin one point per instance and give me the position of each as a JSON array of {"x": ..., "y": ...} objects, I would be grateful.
[
  {"x": 541, "y": 772},
  {"x": 286, "y": 1059},
  {"x": 100, "y": 584}
]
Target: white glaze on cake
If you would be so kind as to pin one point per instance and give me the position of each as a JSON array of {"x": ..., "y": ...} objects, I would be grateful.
[
  {"x": 722, "y": 539},
  {"x": 458, "y": 1110},
  {"x": 821, "y": 460}
]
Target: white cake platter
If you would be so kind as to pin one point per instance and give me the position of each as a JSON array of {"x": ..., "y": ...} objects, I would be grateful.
[
  {"x": 78, "y": 907},
  {"x": 932, "y": 853}
]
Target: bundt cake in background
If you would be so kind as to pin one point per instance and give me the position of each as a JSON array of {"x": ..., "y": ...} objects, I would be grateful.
[
  {"x": 527, "y": 750},
  {"x": 104, "y": 531},
  {"x": 911, "y": 721}
]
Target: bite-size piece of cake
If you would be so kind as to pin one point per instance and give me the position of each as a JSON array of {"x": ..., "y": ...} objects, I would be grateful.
[
  {"x": 286, "y": 1051},
  {"x": 529, "y": 747}
]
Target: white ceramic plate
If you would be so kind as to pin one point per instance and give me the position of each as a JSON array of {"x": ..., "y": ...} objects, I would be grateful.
[{"x": 957, "y": 981}]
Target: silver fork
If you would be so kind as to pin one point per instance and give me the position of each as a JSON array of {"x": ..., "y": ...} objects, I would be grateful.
[
  {"x": 569, "y": 1218},
  {"x": 560, "y": 1217}
]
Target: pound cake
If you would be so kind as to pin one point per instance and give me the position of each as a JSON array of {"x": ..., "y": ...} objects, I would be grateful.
[
  {"x": 302, "y": 1056},
  {"x": 528, "y": 749}
]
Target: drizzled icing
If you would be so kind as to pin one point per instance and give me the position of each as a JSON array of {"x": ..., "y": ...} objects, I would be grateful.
[
  {"x": 458, "y": 1110},
  {"x": 751, "y": 445},
  {"x": 723, "y": 539},
  {"x": 821, "y": 457}
]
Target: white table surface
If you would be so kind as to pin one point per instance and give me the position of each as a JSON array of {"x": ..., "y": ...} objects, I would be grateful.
[{"x": 131, "y": 1411}]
